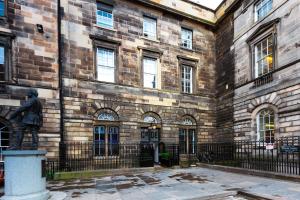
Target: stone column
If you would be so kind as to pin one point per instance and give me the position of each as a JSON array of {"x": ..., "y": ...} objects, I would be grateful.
[{"x": 24, "y": 177}]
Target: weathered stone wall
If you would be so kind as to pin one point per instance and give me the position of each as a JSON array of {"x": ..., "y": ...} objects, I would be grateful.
[
  {"x": 83, "y": 95},
  {"x": 283, "y": 92},
  {"x": 34, "y": 64},
  {"x": 224, "y": 79}
]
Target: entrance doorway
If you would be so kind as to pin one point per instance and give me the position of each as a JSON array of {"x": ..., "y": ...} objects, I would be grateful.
[{"x": 150, "y": 135}]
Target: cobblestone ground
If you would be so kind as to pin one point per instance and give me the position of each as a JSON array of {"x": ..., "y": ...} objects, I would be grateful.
[{"x": 192, "y": 183}]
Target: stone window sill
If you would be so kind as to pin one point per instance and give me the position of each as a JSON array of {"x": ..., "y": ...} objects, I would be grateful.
[
  {"x": 186, "y": 49},
  {"x": 149, "y": 39},
  {"x": 105, "y": 28}
]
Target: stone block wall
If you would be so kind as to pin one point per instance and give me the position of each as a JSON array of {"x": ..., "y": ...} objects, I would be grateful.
[
  {"x": 33, "y": 64},
  {"x": 84, "y": 96},
  {"x": 282, "y": 94}
]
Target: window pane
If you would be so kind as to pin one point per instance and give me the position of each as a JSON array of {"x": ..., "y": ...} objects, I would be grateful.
[
  {"x": 150, "y": 66},
  {"x": 2, "y": 8},
  {"x": 104, "y": 15},
  {"x": 149, "y": 27},
  {"x": 106, "y": 65},
  {"x": 263, "y": 7},
  {"x": 2, "y": 64},
  {"x": 187, "y": 79},
  {"x": 266, "y": 125},
  {"x": 264, "y": 57},
  {"x": 150, "y": 72},
  {"x": 2, "y": 55},
  {"x": 186, "y": 38},
  {"x": 149, "y": 81}
]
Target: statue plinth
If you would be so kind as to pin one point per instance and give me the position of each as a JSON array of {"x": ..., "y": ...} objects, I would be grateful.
[{"x": 25, "y": 177}]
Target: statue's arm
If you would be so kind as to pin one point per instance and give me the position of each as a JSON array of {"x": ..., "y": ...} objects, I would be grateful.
[{"x": 21, "y": 109}]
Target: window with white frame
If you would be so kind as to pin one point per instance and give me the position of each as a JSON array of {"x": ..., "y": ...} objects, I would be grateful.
[
  {"x": 186, "y": 38},
  {"x": 149, "y": 27},
  {"x": 264, "y": 59},
  {"x": 104, "y": 15},
  {"x": 150, "y": 72},
  {"x": 262, "y": 8},
  {"x": 105, "y": 65},
  {"x": 265, "y": 125},
  {"x": 186, "y": 79}
]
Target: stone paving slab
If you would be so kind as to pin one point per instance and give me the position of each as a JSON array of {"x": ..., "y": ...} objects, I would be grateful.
[{"x": 174, "y": 184}]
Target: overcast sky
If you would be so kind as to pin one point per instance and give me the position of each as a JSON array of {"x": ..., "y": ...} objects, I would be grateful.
[{"x": 213, "y": 4}]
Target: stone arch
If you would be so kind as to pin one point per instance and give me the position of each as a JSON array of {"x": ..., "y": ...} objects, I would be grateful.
[
  {"x": 96, "y": 106},
  {"x": 272, "y": 99},
  {"x": 254, "y": 114},
  {"x": 151, "y": 115},
  {"x": 188, "y": 120},
  {"x": 106, "y": 114}
]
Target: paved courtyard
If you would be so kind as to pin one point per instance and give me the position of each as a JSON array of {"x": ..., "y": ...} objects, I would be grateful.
[{"x": 192, "y": 183}]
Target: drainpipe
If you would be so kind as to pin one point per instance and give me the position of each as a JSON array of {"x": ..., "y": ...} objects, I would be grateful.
[{"x": 62, "y": 146}]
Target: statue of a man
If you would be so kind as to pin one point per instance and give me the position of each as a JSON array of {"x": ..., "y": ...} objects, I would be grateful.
[{"x": 32, "y": 119}]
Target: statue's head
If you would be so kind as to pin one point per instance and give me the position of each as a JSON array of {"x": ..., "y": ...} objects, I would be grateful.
[{"x": 32, "y": 93}]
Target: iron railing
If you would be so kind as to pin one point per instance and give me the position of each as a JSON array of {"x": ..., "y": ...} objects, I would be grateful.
[{"x": 282, "y": 156}]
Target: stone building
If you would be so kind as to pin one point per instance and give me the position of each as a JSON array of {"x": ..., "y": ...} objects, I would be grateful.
[{"x": 130, "y": 71}]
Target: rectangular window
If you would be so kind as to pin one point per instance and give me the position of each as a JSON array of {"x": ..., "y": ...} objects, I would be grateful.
[
  {"x": 149, "y": 28},
  {"x": 186, "y": 38},
  {"x": 104, "y": 15},
  {"x": 105, "y": 65},
  {"x": 106, "y": 141},
  {"x": 150, "y": 72},
  {"x": 2, "y": 8},
  {"x": 264, "y": 57},
  {"x": 186, "y": 79},
  {"x": 2, "y": 63},
  {"x": 262, "y": 8}
]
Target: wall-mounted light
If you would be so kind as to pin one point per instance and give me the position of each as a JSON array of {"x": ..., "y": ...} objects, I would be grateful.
[{"x": 40, "y": 28}]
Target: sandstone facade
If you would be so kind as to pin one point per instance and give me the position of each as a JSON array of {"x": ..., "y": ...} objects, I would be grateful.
[{"x": 225, "y": 99}]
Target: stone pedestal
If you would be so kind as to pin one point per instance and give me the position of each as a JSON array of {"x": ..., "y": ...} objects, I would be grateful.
[{"x": 24, "y": 177}]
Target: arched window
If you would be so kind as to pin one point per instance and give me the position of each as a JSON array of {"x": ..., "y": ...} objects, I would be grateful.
[
  {"x": 4, "y": 138},
  {"x": 187, "y": 135},
  {"x": 150, "y": 119},
  {"x": 265, "y": 125},
  {"x": 106, "y": 134}
]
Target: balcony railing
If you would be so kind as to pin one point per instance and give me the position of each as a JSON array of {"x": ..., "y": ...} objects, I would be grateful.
[{"x": 262, "y": 80}]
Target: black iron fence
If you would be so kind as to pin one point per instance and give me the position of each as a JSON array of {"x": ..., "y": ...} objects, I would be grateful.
[
  {"x": 84, "y": 156},
  {"x": 282, "y": 156}
]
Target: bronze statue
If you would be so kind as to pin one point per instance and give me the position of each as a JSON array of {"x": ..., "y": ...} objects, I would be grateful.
[{"x": 32, "y": 120}]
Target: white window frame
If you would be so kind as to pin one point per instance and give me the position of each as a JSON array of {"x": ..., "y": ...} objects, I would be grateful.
[
  {"x": 186, "y": 38},
  {"x": 184, "y": 80},
  {"x": 150, "y": 22},
  {"x": 266, "y": 114},
  {"x": 267, "y": 59},
  {"x": 264, "y": 6},
  {"x": 110, "y": 66},
  {"x": 147, "y": 73},
  {"x": 104, "y": 18}
]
